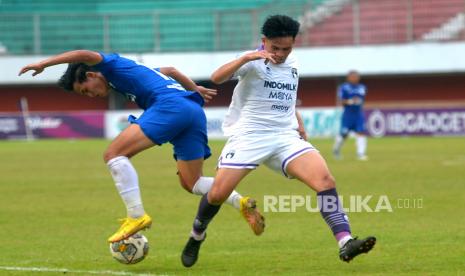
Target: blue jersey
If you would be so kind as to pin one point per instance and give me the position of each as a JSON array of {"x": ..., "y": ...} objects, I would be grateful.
[
  {"x": 139, "y": 83},
  {"x": 349, "y": 91}
]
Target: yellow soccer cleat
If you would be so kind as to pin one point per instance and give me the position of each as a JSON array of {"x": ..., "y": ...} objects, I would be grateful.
[
  {"x": 252, "y": 215},
  {"x": 131, "y": 226}
]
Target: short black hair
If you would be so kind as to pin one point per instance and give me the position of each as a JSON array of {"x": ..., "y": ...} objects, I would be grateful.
[
  {"x": 74, "y": 72},
  {"x": 280, "y": 26},
  {"x": 353, "y": 71}
]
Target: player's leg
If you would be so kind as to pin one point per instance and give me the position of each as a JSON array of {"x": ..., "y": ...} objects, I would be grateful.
[
  {"x": 361, "y": 139},
  {"x": 192, "y": 180},
  {"x": 191, "y": 148},
  {"x": 156, "y": 126},
  {"x": 361, "y": 145},
  {"x": 311, "y": 169},
  {"x": 226, "y": 181},
  {"x": 130, "y": 142},
  {"x": 341, "y": 136},
  {"x": 239, "y": 156}
]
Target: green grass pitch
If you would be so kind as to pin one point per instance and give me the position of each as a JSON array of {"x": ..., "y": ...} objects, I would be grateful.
[{"x": 58, "y": 206}]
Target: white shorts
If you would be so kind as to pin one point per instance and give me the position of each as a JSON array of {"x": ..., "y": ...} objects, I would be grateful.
[{"x": 275, "y": 150}]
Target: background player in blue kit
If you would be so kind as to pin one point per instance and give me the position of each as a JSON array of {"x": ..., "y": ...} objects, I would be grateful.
[
  {"x": 172, "y": 113},
  {"x": 351, "y": 95}
]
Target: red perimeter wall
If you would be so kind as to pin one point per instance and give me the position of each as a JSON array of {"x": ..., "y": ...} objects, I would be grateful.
[
  {"x": 382, "y": 90},
  {"x": 313, "y": 92}
]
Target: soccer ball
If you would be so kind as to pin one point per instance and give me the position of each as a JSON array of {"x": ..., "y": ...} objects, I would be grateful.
[{"x": 131, "y": 250}]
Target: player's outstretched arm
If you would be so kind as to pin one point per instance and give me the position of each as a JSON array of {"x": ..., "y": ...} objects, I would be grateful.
[
  {"x": 78, "y": 56},
  {"x": 187, "y": 83},
  {"x": 225, "y": 72}
]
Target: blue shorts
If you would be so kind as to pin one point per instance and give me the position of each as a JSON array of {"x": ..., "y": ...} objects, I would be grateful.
[
  {"x": 352, "y": 122},
  {"x": 180, "y": 121}
]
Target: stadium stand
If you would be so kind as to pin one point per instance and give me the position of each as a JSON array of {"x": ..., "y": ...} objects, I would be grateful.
[
  {"x": 384, "y": 21},
  {"x": 48, "y": 27}
]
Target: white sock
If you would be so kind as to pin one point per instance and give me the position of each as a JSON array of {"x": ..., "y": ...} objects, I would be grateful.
[
  {"x": 127, "y": 183},
  {"x": 204, "y": 184},
  {"x": 198, "y": 237},
  {"x": 361, "y": 142},
  {"x": 344, "y": 240},
  {"x": 338, "y": 143}
]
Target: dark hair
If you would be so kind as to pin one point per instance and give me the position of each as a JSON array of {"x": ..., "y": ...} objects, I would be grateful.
[
  {"x": 280, "y": 26},
  {"x": 353, "y": 72},
  {"x": 74, "y": 72}
]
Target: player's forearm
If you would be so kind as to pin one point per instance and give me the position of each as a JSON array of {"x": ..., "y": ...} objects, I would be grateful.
[
  {"x": 348, "y": 102},
  {"x": 225, "y": 72},
  {"x": 300, "y": 121},
  {"x": 301, "y": 128},
  {"x": 185, "y": 81},
  {"x": 78, "y": 56}
]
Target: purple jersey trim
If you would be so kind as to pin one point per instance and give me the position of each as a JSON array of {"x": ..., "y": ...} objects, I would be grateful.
[
  {"x": 238, "y": 164},
  {"x": 283, "y": 165}
]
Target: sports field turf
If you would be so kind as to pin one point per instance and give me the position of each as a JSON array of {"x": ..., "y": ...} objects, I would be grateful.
[{"x": 58, "y": 206}]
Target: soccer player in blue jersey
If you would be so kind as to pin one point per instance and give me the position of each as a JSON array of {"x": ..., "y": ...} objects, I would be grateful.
[
  {"x": 173, "y": 113},
  {"x": 351, "y": 94}
]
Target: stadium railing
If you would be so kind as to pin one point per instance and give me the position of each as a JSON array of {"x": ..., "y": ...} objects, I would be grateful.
[{"x": 173, "y": 29}]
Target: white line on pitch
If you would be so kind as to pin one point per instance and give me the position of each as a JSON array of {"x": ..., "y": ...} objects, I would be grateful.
[{"x": 64, "y": 270}]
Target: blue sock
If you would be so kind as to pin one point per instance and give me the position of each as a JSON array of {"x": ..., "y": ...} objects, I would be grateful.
[
  {"x": 332, "y": 212},
  {"x": 205, "y": 214}
]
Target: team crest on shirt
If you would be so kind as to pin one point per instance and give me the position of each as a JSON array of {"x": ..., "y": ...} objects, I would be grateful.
[
  {"x": 131, "y": 97},
  {"x": 230, "y": 154},
  {"x": 294, "y": 73}
]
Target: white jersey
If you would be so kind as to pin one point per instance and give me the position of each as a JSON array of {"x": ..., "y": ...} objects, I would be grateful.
[{"x": 264, "y": 99}]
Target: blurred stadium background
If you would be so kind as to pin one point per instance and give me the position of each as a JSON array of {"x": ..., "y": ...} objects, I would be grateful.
[{"x": 408, "y": 52}]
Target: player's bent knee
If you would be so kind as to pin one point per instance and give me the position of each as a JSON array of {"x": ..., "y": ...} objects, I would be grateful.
[
  {"x": 325, "y": 183},
  {"x": 110, "y": 154}
]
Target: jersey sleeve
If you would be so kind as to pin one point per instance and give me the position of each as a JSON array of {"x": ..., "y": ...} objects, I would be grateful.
[
  {"x": 340, "y": 93},
  {"x": 109, "y": 62},
  {"x": 244, "y": 69},
  {"x": 364, "y": 90}
]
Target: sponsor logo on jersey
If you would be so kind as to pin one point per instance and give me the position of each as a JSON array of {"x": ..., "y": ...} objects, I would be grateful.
[
  {"x": 280, "y": 85},
  {"x": 280, "y": 96},
  {"x": 282, "y": 108}
]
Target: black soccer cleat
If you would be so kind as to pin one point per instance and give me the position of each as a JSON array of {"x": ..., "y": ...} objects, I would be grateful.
[
  {"x": 355, "y": 247},
  {"x": 190, "y": 253}
]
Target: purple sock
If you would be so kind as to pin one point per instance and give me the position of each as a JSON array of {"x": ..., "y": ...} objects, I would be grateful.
[
  {"x": 332, "y": 212},
  {"x": 205, "y": 214},
  {"x": 339, "y": 236}
]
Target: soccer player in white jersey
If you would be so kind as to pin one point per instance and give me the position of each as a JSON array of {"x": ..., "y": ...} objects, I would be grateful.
[{"x": 263, "y": 129}]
